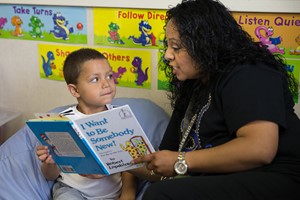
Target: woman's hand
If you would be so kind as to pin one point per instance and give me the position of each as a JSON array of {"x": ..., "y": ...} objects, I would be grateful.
[{"x": 160, "y": 162}]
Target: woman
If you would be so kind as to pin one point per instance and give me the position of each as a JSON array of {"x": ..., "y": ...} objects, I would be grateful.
[{"x": 233, "y": 133}]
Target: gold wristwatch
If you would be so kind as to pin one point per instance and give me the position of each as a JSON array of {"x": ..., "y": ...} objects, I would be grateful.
[{"x": 180, "y": 165}]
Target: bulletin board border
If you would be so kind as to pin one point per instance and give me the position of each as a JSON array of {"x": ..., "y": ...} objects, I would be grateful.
[{"x": 283, "y": 6}]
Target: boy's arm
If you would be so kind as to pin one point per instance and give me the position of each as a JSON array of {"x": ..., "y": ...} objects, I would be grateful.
[
  {"x": 49, "y": 169},
  {"x": 129, "y": 186}
]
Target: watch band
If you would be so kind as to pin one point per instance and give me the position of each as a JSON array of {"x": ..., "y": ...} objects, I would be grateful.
[
  {"x": 181, "y": 156},
  {"x": 180, "y": 165}
]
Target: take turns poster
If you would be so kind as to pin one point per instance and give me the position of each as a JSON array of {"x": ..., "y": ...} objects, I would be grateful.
[{"x": 43, "y": 23}]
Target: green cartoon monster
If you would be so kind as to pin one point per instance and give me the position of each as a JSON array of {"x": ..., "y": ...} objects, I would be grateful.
[
  {"x": 36, "y": 25},
  {"x": 114, "y": 36}
]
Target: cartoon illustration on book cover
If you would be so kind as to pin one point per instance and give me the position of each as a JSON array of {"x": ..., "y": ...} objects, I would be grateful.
[{"x": 136, "y": 147}]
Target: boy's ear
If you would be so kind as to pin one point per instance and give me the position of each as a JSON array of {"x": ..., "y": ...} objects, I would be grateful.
[{"x": 73, "y": 90}]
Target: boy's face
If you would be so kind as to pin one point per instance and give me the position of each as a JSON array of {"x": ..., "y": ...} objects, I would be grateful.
[{"x": 95, "y": 87}]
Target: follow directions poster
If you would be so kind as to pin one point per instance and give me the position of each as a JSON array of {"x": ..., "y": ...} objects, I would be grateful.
[
  {"x": 43, "y": 23},
  {"x": 137, "y": 28},
  {"x": 131, "y": 68}
]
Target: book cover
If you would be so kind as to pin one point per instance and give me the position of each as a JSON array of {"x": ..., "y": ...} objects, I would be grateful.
[{"x": 102, "y": 143}]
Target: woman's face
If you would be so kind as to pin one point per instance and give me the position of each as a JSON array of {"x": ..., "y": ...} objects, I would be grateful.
[{"x": 183, "y": 65}]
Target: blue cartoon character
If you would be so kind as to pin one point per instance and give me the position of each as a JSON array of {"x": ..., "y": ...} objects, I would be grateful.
[
  {"x": 47, "y": 65},
  {"x": 36, "y": 25},
  {"x": 146, "y": 38},
  {"x": 60, "y": 30},
  {"x": 114, "y": 36},
  {"x": 142, "y": 76}
]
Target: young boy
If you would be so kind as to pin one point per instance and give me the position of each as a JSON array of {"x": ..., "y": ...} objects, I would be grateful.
[{"x": 89, "y": 79}]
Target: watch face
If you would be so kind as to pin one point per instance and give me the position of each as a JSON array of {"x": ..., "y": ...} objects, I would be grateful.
[{"x": 180, "y": 167}]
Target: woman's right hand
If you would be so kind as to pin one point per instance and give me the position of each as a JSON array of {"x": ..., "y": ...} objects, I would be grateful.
[{"x": 160, "y": 162}]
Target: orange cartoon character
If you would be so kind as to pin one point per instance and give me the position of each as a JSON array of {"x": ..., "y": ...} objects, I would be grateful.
[{"x": 17, "y": 22}]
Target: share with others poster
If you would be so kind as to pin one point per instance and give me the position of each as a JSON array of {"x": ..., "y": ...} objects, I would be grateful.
[
  {"x": 43, "y": 23},
  {"x": 131, "y": 68}
]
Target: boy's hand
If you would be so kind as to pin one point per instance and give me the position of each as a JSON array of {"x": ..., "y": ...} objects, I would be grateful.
[
  {"x": 93, "y": 176},
  {"x": 43, "y": 154}
]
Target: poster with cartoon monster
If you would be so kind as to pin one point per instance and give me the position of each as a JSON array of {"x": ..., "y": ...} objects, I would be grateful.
[
  {"x": 43, "y": 23},
  {"x": 279, "y": 32},
  {"x": 136, "y": 28},
  {"x": 131, "y": 68}
]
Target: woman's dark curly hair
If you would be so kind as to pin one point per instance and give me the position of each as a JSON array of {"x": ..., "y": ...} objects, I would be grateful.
[{"x": 215, "y": 41}]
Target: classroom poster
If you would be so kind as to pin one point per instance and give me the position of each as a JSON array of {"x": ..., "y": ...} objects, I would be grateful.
[
  {"x": 162, "y": 82},
  {"x": 131, "y": 68},
  {"x": 137, "y": 28},
  {"x": 43, "y": 23},
  {"x": 280, "y": 32}
]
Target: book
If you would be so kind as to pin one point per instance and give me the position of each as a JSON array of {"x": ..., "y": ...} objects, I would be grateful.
[{"x": 101, "y": 143}]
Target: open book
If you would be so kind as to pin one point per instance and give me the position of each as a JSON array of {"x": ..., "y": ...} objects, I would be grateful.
[{"x": 101, "y": 143}]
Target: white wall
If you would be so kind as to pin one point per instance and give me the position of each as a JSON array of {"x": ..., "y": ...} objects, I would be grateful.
[{"x": 22, "y": 89}]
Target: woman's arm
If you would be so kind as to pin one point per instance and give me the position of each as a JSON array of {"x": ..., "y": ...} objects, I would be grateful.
[{"x": 255, "y": 145}]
